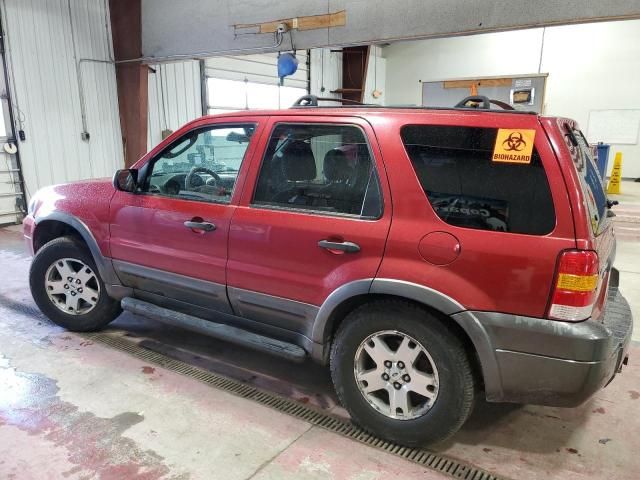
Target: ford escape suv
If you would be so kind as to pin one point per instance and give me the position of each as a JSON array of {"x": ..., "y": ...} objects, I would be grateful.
[{"x": 428, "y": 256}]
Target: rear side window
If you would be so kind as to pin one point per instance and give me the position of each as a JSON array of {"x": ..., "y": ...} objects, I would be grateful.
[
  {"x": 590, "y": 179},
  {"x": 466, "y": 188}
]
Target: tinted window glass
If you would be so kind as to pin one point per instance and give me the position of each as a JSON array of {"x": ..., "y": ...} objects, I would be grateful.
[
  {"x": 467, "y": 189},
  {"x": 202, "y": 165},
  {"x": 590, "y": 179},
  {"x": 325, "y": 168}
]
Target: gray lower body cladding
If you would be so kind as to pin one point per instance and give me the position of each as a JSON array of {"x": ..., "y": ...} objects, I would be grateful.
[{"x": 553, "y": 363}]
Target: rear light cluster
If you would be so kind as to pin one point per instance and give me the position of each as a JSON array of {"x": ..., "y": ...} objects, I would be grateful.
[{"x": 575, "y": 287}]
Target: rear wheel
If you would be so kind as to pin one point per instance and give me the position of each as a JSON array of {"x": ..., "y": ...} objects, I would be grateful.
[
  {"x": 401, "y": 373},
  {"x": 67, "y": 287}
]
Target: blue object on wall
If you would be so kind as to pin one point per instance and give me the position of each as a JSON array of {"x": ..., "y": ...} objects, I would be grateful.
[
  {"x": 287, "y": 65},
  {"x": 603, "y": 156}
]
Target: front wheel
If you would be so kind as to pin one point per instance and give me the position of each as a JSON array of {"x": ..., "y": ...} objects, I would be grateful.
[
  {"x": 67, "y": 287},
  {"x": 401, "y": 373}
]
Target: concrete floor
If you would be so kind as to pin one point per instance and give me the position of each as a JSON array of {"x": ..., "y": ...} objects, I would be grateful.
[{"x": 71, "y": 408}]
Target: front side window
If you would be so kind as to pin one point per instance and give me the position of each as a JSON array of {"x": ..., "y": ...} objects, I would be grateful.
[
  {"x": 468, "y": 188},
  {"x": 202, "y": 165},
  {"x": 324, "y": 168}
]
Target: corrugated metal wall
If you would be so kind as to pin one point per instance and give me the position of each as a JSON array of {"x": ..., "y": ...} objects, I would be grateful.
[
  {"x": 45, "y": 39},
  {"x": 174, "y": 97}
]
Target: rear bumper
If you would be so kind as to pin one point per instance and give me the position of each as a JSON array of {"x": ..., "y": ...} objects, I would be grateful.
[{"x": 554, "y": 363}]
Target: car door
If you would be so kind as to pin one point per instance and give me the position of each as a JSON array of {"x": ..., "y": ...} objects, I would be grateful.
[
  {"x": 169, "y": 239},
  {"x": 314, "y": 216}
]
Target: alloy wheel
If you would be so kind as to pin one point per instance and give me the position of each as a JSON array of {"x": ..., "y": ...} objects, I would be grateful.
[
  {"x": 72, "y": 286},
  {"x": 396, "y": 375}
]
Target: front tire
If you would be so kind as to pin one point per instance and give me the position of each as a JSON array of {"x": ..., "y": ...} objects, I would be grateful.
[
  {"x": 67, "y": 287},
  {"x": 401, "y": 373}
]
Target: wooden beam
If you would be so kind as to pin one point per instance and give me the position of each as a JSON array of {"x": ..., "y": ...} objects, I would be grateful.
[
  {"x": 488, "y": 82},
  {"x": 131, "y": 78},
  {"x": 311, "y": 22}
]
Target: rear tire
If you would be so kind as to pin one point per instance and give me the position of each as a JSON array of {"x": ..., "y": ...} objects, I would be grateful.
[
  {"x": 67, "y": 287},
  {"x": 421, "y": 403}
]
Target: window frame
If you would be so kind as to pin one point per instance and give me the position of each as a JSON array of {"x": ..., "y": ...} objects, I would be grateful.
[
  {"x": 310, "y": 211},
  {"x": 536, "y": 150},
  {"x": 147, "y": 168}
]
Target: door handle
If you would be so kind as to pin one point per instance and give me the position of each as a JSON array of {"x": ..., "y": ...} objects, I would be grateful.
[
  {"x": 206, "y": 226},
  {"x": 347, "y": 247}
]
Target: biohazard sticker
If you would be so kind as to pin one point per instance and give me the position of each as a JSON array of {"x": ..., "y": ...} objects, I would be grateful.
[{"x": 514, "y": 146}]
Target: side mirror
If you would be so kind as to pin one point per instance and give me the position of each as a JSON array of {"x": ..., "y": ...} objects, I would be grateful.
[{"x": 126, "y": 180}]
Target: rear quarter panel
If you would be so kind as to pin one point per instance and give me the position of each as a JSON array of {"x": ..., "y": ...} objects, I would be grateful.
[{"x": 494, "y": 271}]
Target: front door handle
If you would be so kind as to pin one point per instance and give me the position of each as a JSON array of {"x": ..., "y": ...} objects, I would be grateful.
[
  {"x": 205, "y": 226},
  {"x": 347, "y": 247}
]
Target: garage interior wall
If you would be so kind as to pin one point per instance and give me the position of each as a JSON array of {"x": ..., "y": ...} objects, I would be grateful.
[
  {"x": 326, "y": 71},
  {"x": 375, "y": 79},
  {"x": 174, "y": 97},
  {"x": 591, "y": 67},
  {"x": 175, "y": 89},
  {"x": 45, "y": 41}
]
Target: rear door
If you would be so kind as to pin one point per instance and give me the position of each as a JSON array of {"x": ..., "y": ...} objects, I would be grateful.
[{"x": 314, "y": 216}]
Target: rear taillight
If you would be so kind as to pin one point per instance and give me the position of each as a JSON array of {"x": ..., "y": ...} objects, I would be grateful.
[{"x": 575, "y": 287}]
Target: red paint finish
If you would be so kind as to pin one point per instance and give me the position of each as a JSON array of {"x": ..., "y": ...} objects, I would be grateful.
[
  {"x": 439, "y": 248},
  {"x": 86, "y": 200},
  {"x": 495, "y": 271},
  {"x": 275, "y": 251},
  {"x": 149, "y": 230}
]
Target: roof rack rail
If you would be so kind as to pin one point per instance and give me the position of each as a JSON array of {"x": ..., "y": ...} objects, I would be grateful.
[
  {"x": 312, "y": 101},
  {"x": 474, "y": 102}
]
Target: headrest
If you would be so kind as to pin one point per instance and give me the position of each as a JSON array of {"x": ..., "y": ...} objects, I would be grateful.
[
  {"x": 298, "y": 162},
  {"x": 336, "y": 167}
]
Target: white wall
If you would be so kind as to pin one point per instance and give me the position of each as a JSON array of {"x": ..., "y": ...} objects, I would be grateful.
[
  {"x": 375, "y": 78},
  {"x": 326, "y": 71},
  {"x": 174, "y": 98},
  {"x": 591, "y": 67},
  {"x": 42, "y": 50}
]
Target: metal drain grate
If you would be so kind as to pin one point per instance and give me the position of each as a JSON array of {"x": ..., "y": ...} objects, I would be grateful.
[{"x": 452, "y": 467}]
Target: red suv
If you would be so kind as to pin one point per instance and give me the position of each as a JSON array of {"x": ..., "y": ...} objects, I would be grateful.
[{"x": 429, "y": 256}]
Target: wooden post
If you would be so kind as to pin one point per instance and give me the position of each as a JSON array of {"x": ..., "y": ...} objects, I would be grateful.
[{"x": 132, "y": 78}]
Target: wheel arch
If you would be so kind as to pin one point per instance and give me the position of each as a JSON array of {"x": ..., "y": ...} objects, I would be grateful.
[
  {"x": 453, "y": 315},
  {"x": 57, "y": 224}
]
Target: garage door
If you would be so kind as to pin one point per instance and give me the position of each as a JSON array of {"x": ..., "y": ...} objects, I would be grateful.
[{"x": 251, "y": 82}]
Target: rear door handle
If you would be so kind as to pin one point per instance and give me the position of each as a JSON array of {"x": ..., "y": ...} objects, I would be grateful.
[
  {"x": 347, "y": 247},
  {"x": 206, "y": 226}
]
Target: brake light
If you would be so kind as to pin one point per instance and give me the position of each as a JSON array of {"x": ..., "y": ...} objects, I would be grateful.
[{"x": 575, "y": 287}]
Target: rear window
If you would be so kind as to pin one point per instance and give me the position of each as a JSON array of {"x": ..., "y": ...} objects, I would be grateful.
[
  {"x": 466, "y": 188},
  {"x": 590, "y": 179}
]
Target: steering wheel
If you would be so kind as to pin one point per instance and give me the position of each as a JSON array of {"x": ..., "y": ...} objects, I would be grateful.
[{"x": 197, "y": 170}]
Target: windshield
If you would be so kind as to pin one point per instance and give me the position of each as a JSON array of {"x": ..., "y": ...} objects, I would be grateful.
[{"x": 590, "y": 180}]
